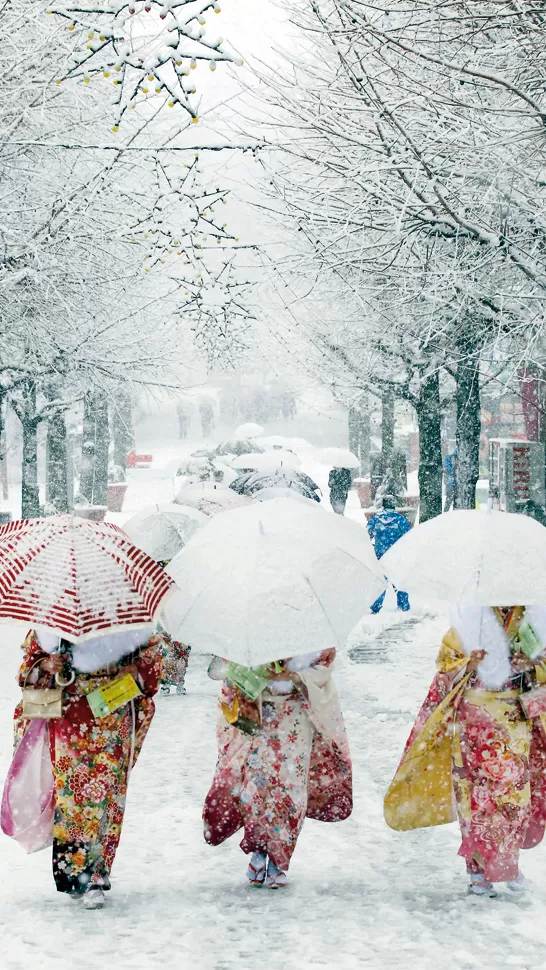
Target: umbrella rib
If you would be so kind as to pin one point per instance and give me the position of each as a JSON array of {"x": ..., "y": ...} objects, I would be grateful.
[{"x": 317, "y": 597}]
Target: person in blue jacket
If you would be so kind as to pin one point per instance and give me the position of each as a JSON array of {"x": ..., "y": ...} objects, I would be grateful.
[{"x": 385, "y": 528}]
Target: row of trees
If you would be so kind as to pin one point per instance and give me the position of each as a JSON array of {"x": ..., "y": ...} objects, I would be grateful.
[
  {"x": 116, "y": 267},
  {"x": 412, "y": 172}
]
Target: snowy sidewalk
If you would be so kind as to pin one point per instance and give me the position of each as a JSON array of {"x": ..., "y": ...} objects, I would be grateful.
[{"x": 360, "y": 896}]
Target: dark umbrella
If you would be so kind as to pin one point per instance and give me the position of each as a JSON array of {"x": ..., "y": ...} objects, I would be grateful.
[
  {"x": 252, "y": 482},
  {"x": 239, "y": 446}
]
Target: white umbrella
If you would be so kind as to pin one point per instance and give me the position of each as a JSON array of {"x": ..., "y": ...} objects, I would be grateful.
[
  {"x": 163, "y": 530},
  {"x": 210, "y": 497},
  {"x": 477, "y": 558},
  {"x": 273, "y": 441},
  {"x": 193, "y": 465},
  {"x": 280, "y": 491},
  {"x": 298, "y": 445},
  {"x": 229, "y": 473},
  {"x": 249, "y": 430},
  {"x": 273, "y": 580},
  {"x": 269, "y": 461},
  {"x": 339, "y": 458}
]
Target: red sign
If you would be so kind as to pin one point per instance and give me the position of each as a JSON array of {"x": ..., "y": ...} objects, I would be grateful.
[{"x": 133, "y": 460}]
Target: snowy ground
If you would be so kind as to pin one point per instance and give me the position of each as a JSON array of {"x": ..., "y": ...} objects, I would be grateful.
[{"x": 360, "y": 896}]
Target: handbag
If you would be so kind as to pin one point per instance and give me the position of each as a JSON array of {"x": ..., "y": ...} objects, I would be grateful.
[{"x": 44, "y": 702}]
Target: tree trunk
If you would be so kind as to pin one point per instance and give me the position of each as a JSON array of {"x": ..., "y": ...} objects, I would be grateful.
[
  {"x": 359, "y": 435},
  {"x": 430, "y": 448},
  {"x": 387, "y": 427},
  {"x": 56, "y": 464},
  {"x": 95, "y": 444},
  {"x": 122, "y": 428},
  {"x": 467, "y": 468},
  {"x": 30, "y": 493},
  {"x": 3, "y": 448}
]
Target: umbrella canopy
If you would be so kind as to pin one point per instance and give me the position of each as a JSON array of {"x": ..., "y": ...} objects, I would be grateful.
[
  {"x": 195, "y": 465},
  {"x": 269, "y": 461},
  {"x": 77, "y": 578},
  {"x": 203, "y": 453},
  {"x": 252, "y": 482},
  {"x": 163, "y": 530},
  {"x": 238, "y": 446},
  {"x": 228, "y": 473},
  {"x": 272, "y": 441},
  {"x": 249, "y": 430},
  {"x": 273, "y": 580},
  {"x": 210, "y": 498},
  {"x": 278, "y": 491},
  {"x": 478, "y": 558},
  {"x": 339, "y": 458}
]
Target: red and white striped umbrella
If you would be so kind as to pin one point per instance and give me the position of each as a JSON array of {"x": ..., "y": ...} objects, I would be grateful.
[{"x": 76, "y": 577}]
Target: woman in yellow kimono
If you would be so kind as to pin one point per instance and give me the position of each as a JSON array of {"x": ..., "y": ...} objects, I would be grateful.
[{"x": 473, "y": 752}]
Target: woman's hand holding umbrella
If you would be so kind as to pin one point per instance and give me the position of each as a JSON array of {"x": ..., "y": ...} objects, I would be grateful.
[{"x": 53, "y": 664}]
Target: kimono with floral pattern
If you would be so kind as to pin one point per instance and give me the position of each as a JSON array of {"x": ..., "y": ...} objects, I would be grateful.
[
  {"x": 174, "y": 663},
  {"x": 475, "y": 748},
  {"x": 268, "y": 783},
  {"x": 90, "y": 760}
]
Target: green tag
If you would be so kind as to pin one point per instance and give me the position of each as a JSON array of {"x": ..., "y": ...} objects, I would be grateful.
[
  {"x": 97, "y": 703},
  {"x": 247, "y": 679},
  {"x": 528, "y": 641}
]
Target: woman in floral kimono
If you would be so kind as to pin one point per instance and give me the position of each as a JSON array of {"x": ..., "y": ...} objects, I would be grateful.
[
  {"x": 280, "y": 759},
  {"x": 478, "y": 748},
  {"x": 91, "y": 758}
]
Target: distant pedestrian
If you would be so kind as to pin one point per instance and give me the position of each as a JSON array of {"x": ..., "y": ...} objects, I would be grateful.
[
  {"x": 339, "y": 483},
  {"x": 206, "y": 414},
  {"x": 183, "y": 420},
  {"x": 450, "y": 464},
  {"x": 385, "y": 528}
]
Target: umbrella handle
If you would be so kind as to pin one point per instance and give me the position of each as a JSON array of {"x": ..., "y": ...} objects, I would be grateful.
[{"x": 65, "y": 683}]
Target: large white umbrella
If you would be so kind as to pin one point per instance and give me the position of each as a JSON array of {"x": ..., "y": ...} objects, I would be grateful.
[
  {"x": 269, "y": 461},
  {"x": 273, "y": 580},
  {"x": 477, "y": 558},
  {"x": 339, "y": 458},
  {"x": 249, "y": 430},
  {"x": 163, "y": 530}
]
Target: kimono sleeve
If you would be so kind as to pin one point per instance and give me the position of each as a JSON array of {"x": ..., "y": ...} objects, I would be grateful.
[
  {"x": 148, "y": 664},
  {"x": 32, "y": 655}
]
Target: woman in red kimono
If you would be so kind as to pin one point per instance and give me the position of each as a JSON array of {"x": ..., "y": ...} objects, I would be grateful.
[
  {"x": 91, "y": 758},
  {"x": 477, "y": 749},
  {"x": 280, "y": 759}
]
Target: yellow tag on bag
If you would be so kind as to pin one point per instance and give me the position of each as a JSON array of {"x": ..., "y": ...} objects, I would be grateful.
[{"x": 105, "y": 700}]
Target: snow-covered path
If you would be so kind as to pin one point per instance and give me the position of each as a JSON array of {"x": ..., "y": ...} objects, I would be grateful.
[{"x": 360, "y": 896}]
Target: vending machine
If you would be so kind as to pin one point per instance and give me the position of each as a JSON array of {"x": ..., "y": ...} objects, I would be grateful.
[{"x": 516, "y": 473}]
